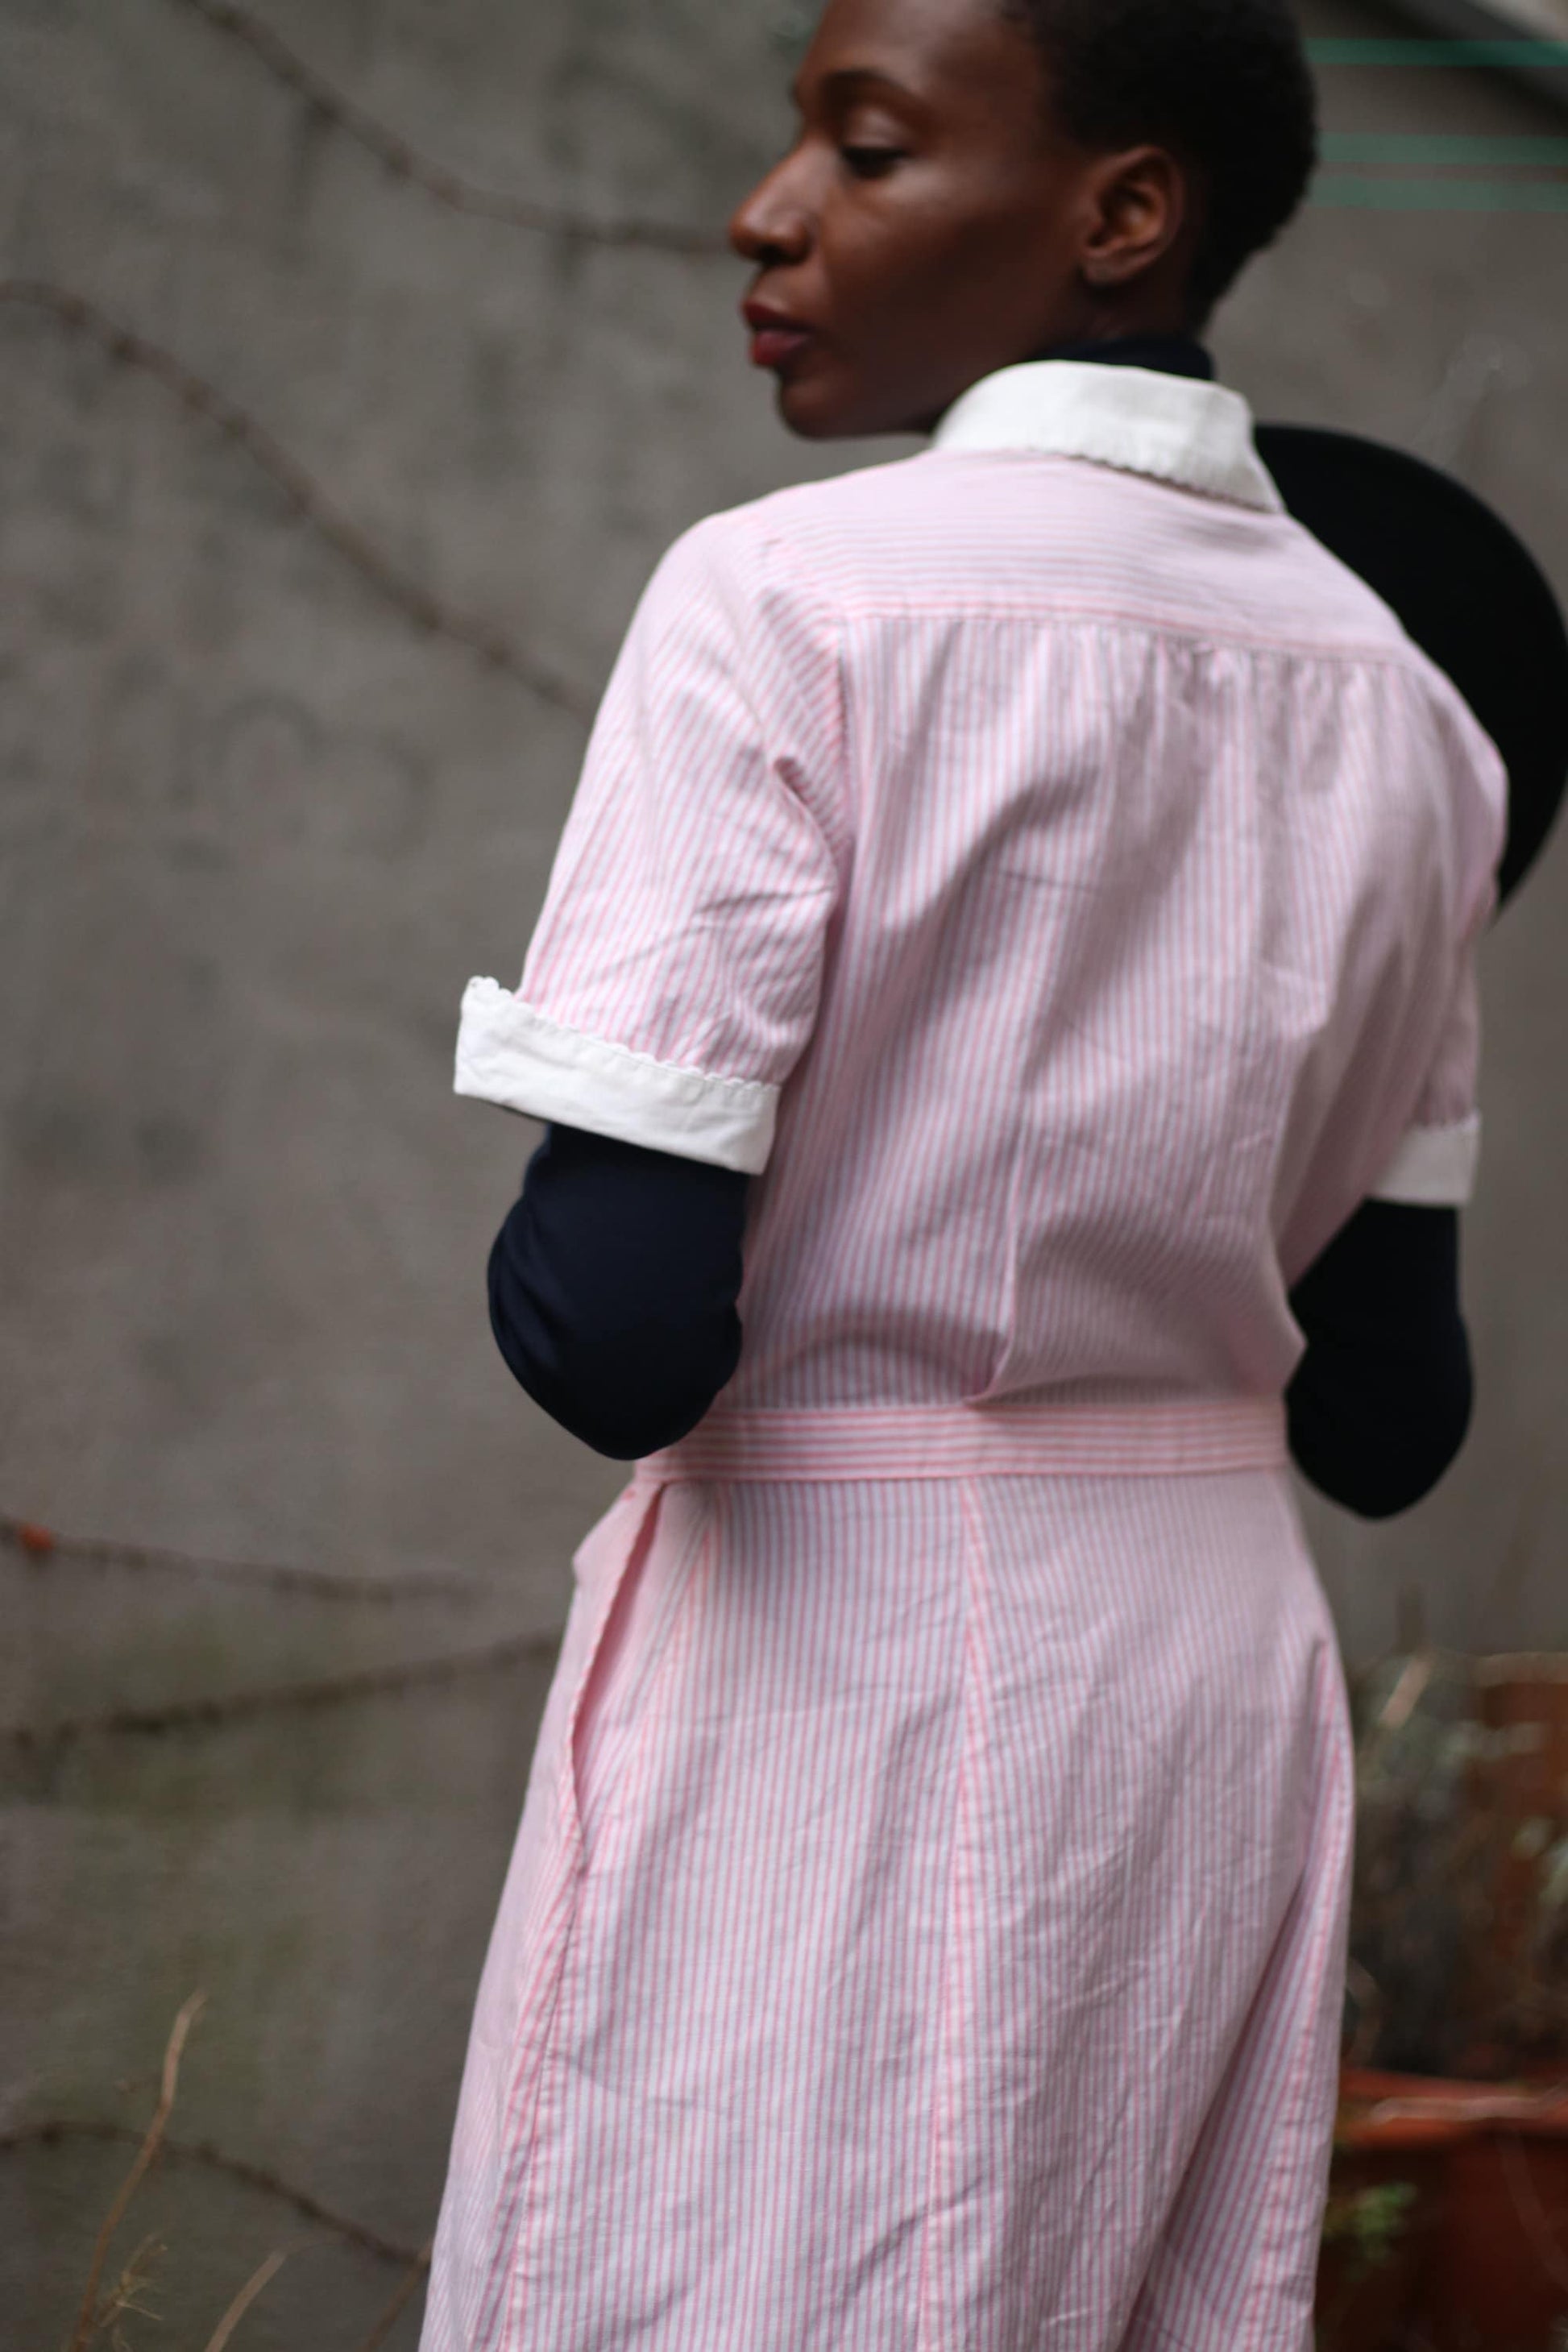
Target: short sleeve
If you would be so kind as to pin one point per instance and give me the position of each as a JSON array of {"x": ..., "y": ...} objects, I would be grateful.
[
  {"x": 674, "y": 977},
  {"x": 1436, "y": 1161}
]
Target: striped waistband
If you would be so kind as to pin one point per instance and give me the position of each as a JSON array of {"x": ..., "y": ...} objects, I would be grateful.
[{"x": 1202, "y": 1434}]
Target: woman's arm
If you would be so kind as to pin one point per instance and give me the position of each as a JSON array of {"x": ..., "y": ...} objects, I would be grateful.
[
  {"x": 1381, "y": 1403},
  {"x": 613, "y": 1289}
]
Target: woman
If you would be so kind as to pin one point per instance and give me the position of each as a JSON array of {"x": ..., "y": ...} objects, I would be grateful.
[{"x": 1018, "y": 912}]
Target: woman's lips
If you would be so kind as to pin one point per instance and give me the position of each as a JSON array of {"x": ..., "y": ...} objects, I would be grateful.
[
  {"x": 777, "y": 345},
  {"x": 775, "y": 340}
]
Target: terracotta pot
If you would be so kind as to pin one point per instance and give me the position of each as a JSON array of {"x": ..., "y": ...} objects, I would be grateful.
[
  {"x": 1369, "y": 2298},
  {"x": 1484, "y": 2267},
  {"x": 1367, "y": 2294},
  {"x": 1523, "y": 1790}
]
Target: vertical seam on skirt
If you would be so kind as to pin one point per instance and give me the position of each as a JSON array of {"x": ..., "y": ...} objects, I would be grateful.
[
  {"x": 564, "y": 1914},
  {"x": 605, "y": 1818},
  {"x": 948, "y": 1995},
  {"x": 500, "y": 2292}
]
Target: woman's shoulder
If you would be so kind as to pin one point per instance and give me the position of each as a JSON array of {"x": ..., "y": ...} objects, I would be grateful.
[
  {"x": 833, "y": 503},
  {"x": 822, "y": 541}
]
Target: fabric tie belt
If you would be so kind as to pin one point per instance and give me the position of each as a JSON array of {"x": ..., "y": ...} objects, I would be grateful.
[{"x": 1188, "y": 1438}]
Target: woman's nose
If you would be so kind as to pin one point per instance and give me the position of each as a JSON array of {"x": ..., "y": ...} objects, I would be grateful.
[{"x": 773, "y": 226}]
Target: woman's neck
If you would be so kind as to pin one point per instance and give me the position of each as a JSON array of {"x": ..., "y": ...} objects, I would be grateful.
[{"x": 1165, "y": 354}]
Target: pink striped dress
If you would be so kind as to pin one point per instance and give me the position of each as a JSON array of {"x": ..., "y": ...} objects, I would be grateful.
[{"x": 1056, "y": 880}]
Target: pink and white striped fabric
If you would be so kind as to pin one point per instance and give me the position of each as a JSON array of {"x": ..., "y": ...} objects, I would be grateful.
[{"x": 1057, "y": 879}]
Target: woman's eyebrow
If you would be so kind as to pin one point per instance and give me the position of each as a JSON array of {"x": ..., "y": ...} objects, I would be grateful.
[{"x": 856, "y": 82}]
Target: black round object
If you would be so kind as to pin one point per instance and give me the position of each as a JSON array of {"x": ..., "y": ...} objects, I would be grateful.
[{"x": 1467, "y": 590}]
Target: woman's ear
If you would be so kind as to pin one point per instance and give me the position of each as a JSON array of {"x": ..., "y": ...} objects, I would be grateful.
[{"x": 1138, "y": 208}]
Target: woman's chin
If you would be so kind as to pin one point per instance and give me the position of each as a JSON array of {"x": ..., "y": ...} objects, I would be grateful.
[
  {"x": 808, "y": 409},
  {"x": 817, "y": 410}
]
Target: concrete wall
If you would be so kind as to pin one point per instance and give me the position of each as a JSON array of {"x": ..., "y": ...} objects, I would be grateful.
[
  {"x": 257, "y": 830},
  {"x": 1441, "y": 331}
]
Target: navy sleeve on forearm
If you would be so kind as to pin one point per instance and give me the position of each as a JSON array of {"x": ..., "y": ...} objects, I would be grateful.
[
  {"x": 613, "y": 1288},
  {"x": 1381, "y": 1401},
  {"x": 614, "y": 1285}
]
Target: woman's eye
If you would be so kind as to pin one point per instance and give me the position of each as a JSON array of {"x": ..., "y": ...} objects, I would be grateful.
[{"x": 871, "y": 163}]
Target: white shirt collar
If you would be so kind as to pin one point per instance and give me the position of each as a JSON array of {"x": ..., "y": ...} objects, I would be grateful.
[{"x": 1178, "y": 429}]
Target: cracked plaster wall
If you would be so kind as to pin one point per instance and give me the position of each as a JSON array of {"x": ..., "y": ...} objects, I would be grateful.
[{"x": 255, "y": 833}]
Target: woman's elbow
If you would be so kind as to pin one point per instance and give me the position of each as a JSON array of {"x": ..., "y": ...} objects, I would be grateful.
[
  {"x": 625, "y": 1392},
  {"x": 1386, "y": 1457},
  {"x": 627, "y": 1415}
]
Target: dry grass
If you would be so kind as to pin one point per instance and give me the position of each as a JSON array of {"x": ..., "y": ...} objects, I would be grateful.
[
  {"x": 98, "y": 2316},
  {"x": 264, "y": 2272},
  {"x": 407, "y": 2288},
  {"x": 104, "y": 2310},
  {"x": 1460, "y": 1926},
  {"x": 125, "y": 2296},
  {"x": 101, "y": 2319}
]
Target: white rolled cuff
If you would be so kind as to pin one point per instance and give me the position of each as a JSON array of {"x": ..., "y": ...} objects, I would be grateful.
[
  {"x": 1435, "y": 1167},
  {"x": 511, "y": 1056}
]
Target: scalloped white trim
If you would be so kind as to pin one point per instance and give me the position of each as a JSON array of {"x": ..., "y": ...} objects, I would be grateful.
[
  {"x": 1177, "y": 429},
  {"x": 520, "y": 1060},
  {"x": 1435, "y": 1167}
]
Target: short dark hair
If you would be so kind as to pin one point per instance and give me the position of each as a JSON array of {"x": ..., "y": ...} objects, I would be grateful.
[{"x": 1223, "y": 84}]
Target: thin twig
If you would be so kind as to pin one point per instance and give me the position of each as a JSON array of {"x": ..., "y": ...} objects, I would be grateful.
[
  {"x": 260, "y": 2278},
  {"x": 404, "y": 2294},
  {"x": 125, "y": 2297},
  {"x": 57, "y": 2131},
  {"x": 201, "y": 1714},
  {"x": 201, "y": 398},
  {"x": 1405, "y": 1696},
  {"x": 134, "y": 2177},
  {"x": 394, "y": 154},
  {"x": 42, "y": 1544}
]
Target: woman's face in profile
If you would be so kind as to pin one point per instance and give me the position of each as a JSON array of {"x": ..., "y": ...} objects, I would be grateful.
[{"x": 928, "y": 225}]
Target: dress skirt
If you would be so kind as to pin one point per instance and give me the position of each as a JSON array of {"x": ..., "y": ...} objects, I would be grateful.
[{"x": 926, "y": 1927}]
